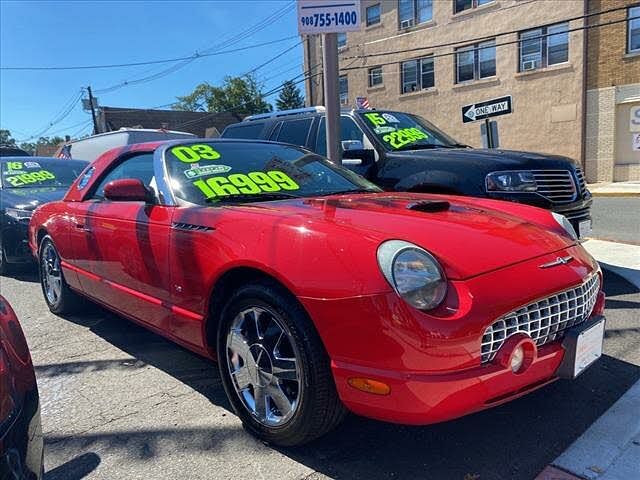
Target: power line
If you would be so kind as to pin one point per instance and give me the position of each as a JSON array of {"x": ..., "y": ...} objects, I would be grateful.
[
  {"x": 477, "y": 39},
  {"x": 273, "y": 59},
  {"x": 447, "y": 54},
  {"x": 63, "y": 113},
  {"x": 154, "y": 62}
]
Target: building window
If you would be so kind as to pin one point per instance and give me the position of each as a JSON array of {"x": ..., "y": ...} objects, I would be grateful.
[
  {"x": 633, "y": 29},
  {"x": 342, "y": 39},
  {"x": 542, "y": 47},
  {"x": 477, "y": 61},
  {"x": 373, "y": 14},
  {"x": 375, "y": 76},
  {"x": 417, "y": 74},
  {"x": 461, "y": 5},
  {"x": 412, "y": 12},
  {"x": 344, "y": 90}
]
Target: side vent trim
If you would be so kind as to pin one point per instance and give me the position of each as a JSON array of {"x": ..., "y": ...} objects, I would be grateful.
[{"x": 191, "y": 227}]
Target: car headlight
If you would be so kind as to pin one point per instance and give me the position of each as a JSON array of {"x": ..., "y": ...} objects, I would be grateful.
[
  {"x": 19, "y": 214},
  {"x": 413, "y": 273},
  {"x": 511, "y": 181},
  {"x": 566, "y": 224}
]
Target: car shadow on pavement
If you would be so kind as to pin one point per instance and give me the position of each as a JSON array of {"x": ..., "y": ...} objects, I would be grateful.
[
  {"x": 515, "y": 440},
  {"x": 24, "y": 273}
]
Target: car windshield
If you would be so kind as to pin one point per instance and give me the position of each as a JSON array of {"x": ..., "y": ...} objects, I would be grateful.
[
  {"x": 403, "y": 131},
  {"x": 37, "y": 173},
  {"x": 233, "y": 172}
]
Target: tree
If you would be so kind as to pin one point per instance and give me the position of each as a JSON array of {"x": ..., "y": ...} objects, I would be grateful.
[
  {"x": 241, "y": 95},
  {"x": 32, "y": 146},
  {"x": 289, "y": 97},
  {"x": 6, "y": 138}
]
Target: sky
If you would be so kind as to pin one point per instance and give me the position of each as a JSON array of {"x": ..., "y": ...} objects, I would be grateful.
[{"x": 70, "y": 33}]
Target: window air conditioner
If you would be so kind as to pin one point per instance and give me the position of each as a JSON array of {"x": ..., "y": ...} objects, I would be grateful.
[
  {"x": 406, "y": 23},
  {"x": 528, "y": 65}
]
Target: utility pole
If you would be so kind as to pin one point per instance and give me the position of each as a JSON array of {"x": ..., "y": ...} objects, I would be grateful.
[
  {"x": 93, "y": 112},
  {"x": 331, "y": 96}
]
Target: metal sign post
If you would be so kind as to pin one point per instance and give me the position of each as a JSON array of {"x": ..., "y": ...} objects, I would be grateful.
[
  {"x": 332, "y": 96},
  {"x": 330, "y": 17}
]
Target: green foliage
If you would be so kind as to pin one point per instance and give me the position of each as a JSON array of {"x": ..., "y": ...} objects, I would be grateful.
[
  {"x": 241, "y": 95},
  {"x": 31, "y": 146},
  {"x": 6, "y": 138},
  {"x": 290, "y": 97}
]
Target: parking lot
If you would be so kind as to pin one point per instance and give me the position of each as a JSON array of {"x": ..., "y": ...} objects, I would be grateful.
[{"x": 119, "y": 402}]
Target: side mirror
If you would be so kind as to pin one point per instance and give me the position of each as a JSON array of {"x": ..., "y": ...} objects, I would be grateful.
[
  {"x": 358, "y": 157},
  {"x": 127, "y": 190}
]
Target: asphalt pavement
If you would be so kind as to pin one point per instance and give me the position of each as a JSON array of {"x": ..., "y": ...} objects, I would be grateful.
[
  {"x": 119, "y": 402},
  {"x": 616, "y": 219}
]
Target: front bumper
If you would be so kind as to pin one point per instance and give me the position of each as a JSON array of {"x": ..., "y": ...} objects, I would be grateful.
[
  {"x": 15, "y": 242},
  {"x": 432, "y": 362}
]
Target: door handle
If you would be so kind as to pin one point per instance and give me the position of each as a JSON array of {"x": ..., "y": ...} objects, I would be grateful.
[{"x": 81, "y": 226}]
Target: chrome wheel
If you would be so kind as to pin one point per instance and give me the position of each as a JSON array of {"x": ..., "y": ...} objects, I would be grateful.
[
  {"x": 264, "y": 367},
  {"x": 51, "y": 273}
]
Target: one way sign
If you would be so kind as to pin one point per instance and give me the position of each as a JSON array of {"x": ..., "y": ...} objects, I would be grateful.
[{"x": 490, "y": 108}]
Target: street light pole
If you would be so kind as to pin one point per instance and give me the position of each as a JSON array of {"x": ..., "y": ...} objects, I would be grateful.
[
  {"x": 93, "y": 112},
  {"x": 331, "y": 96}
]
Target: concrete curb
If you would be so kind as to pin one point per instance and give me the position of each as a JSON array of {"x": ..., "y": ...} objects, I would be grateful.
[
  {"x": 610, "y": 448},
  {"x": 615, "y": 194}
]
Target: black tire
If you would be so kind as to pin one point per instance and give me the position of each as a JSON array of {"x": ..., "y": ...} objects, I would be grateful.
[
  {"x": 4, "y": 266},
  {"x": 66, "y": 301},
  {"x": 318, "y": 409}
]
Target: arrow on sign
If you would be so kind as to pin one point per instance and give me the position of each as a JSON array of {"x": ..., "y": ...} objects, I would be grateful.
[{"x": 471, "y": 113}]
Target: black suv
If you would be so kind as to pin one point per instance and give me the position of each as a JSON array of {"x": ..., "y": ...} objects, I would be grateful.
[{"x": 404, "y": 152}]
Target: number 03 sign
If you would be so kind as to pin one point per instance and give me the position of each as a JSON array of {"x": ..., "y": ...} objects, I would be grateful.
[{"x": 328, "y": 16}]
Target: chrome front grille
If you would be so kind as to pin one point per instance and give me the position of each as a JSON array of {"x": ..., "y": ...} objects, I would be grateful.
[
  {"x": 582, "y": 185},
  {"x": 556, "y": 185},
  {"x": 545, "y": 320}
]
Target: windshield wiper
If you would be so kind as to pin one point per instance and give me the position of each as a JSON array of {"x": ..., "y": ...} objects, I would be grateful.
[
  {"x": 428, "y": 146},
  {"x": 251, "y": 197}
]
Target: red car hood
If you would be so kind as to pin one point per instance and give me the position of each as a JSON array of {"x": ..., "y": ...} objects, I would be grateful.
[{"x": 468, "y": 238}]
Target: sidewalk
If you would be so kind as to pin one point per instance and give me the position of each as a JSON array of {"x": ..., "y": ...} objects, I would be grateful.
[
  {"x": 615, "y": 189},
  {"x": 610, "y": 448}
]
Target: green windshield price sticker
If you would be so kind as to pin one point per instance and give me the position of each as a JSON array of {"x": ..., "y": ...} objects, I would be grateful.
[
  {"x": 26, "y": 178},
  {"x": 11, "y": 166},
  {"x": 376, "y": 119},
  {"x": 251, "y": 183},
  {"x": 195, "y": 153},
  {"x": 404, "y": 136}
]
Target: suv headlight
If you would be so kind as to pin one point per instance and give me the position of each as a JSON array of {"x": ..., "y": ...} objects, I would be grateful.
[
  {"x": 511, "y": 181},
  {"x": 413, "y": 273},
  {"x": 19, "y": 214},
  {"x": 566, "y": 224}
]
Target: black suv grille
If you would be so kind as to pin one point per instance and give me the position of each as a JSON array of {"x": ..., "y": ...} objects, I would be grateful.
[{"x": 556, "y": 185}]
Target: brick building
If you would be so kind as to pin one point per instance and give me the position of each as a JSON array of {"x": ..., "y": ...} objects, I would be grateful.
[
  {"x": 613, "y": 93},
  {"x": 540, "y": 62}
]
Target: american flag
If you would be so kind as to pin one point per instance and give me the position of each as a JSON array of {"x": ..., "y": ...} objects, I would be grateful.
[
  {"x": 65, "y": 152},
  {"x": 362, "y": 103}
]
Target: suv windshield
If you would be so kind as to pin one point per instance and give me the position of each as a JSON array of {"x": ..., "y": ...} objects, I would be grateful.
[
  {"x": 224, "y": 172},
  {"x": 36, "y": 173},
  {"x": 403, "y": 131}
]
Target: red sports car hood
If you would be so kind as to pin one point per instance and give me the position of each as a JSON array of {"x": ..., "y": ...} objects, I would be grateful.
[{"x": 468, "y": 236}]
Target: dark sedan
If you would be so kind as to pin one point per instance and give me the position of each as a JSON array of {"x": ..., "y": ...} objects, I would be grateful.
[
  {"x": 26, "y": 183},
  {"x": 21, "y": 445}
]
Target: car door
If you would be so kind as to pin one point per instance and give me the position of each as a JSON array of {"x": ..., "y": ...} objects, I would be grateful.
[{"x": 121, "y": 247}]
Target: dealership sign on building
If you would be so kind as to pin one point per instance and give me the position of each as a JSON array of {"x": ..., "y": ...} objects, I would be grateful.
[
  {"x": 490, "y": 108},
  {"x": 328, "y": 16}
]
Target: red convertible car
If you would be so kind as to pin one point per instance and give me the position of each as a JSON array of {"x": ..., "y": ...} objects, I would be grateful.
[{"x": 318, "y": 293}]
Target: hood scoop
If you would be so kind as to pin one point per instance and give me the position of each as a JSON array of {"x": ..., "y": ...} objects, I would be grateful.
[{"x": 429, "y": 206}]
